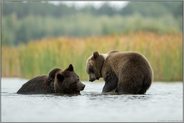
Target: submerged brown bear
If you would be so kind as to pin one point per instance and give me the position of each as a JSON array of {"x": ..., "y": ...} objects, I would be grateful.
[
  {"x": 123, "y": 72},
  {"x": 58, "y": 81}
]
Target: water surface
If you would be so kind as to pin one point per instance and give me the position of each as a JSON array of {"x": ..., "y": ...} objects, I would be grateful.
[{"x": 163, "y": 102}]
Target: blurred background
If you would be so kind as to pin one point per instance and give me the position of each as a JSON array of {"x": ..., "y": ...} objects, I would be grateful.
[{"x": 39, "y": 36}]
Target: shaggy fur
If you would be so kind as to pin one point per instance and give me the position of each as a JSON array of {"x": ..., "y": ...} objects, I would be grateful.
[
  {"x": 58, "y": 81},
  {"x": 124, "y": 72}
]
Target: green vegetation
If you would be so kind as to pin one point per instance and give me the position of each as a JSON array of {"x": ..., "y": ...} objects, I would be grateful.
[
  {"x": 38, "y": 36},
  {"x": 23, "y": 22},
  {"x": 39, "y": 57}
]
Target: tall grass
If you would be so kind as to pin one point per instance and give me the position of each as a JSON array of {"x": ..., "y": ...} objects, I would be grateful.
[{"x": 38, "y": 57}]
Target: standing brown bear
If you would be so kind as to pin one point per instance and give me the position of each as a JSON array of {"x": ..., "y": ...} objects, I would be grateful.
[
  {"x": 123, "y": 72},
  {"x": 58, "y": 81}
]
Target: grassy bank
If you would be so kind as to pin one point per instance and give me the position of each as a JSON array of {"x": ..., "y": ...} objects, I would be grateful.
[{"x": 38, "y": 57}]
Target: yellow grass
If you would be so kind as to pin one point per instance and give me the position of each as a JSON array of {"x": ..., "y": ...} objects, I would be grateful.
[{"x": 38, "y": 57}]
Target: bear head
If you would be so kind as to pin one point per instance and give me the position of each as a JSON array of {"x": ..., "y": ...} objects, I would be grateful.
[
  {"x": 68, "y": 82},
  {"x": 94, "y": 66}
]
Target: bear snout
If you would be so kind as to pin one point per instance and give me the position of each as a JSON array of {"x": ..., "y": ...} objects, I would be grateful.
[
  {"x": 92, "y": 79},
  {"x": 81, "y": 86}
]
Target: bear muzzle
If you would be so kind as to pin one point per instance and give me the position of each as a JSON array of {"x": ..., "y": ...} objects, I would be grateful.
[
  {"x": 92, "y": 79},
  {"x": 81, "y": 86},
  {"x": 98, "y": 78}
]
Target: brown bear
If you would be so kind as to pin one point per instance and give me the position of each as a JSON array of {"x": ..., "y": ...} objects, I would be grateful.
[
  {"x": 58, "y": 81},
  {"x": 123, "y": 72}
]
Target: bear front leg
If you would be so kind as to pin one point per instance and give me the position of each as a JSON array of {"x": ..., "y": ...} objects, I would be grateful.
[{"x": 110, "y": 82}]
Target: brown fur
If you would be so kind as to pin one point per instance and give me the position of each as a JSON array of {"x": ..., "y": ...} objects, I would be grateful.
[
  {"x": 124, "y": 72},
  {"x": 68, "y": 82},
  {"x": 52, "y": 83}
]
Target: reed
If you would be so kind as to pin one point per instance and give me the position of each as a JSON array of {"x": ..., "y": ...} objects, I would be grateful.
[{"x": 38, "y": 57}]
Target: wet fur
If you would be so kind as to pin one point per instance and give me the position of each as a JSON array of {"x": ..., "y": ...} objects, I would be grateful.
[
  {"x": 124, "y": 72},
  {"x": 58, "y": 82},
  {"x": 111, "y": 82},
  {"x": 40, "y": 84},
  {"x": 37, "y": 85}
]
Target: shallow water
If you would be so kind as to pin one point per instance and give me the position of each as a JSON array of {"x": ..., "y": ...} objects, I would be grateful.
[{"x": 163, "y": 102}]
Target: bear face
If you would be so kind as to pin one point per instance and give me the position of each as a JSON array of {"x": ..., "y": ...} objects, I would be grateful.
[
  {"x": 94, "y": 66},
  {"x": 68, "y": 82}
]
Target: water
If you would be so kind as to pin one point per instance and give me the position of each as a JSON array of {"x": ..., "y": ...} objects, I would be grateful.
[{"x": 163, "y": 102}]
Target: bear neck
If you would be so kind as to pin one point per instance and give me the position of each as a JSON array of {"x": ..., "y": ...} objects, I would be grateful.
[
  {"x": 104, "y": 56},
  {"x": 50, "y": 85}
]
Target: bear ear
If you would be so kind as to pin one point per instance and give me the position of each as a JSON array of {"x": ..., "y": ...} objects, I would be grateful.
[
  {"x": 51, "y": 75},
  {"x": 60, "y": 77},
  {"x": 53, "y": 72},
  {"x": 70, "y": 68},
  {"x": 95, "y": 54}
]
